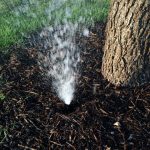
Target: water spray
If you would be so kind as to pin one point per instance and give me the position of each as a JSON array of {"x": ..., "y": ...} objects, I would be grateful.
[{"x": 61, "y": 59}]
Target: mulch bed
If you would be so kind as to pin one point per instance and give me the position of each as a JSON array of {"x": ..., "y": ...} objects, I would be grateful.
[{"x": 101, "y": 116}]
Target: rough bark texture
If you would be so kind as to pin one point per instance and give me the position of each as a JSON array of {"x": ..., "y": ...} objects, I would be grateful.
[{"x": 126, "y": 60}]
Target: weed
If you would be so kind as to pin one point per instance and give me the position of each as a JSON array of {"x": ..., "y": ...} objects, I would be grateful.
[{"x": 2, "y": 96}]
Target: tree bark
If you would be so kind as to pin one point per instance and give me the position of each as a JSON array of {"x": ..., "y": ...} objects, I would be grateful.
[{"x": 126, "y": 60}]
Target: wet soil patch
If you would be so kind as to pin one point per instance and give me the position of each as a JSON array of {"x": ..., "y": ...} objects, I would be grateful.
[{"x": 101, "y": 116}]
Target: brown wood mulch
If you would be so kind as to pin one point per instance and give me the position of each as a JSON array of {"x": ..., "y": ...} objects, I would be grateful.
[{"x": 101, "y": 116}]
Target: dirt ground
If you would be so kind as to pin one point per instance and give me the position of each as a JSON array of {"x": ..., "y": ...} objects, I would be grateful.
[{"x": 101, "y": 116}]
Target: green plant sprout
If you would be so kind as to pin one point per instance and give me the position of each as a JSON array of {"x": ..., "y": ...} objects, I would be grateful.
[{"x": 2, "y": 96}]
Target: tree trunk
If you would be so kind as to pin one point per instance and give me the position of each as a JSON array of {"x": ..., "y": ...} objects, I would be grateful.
[{"x": 126, "y": 60}]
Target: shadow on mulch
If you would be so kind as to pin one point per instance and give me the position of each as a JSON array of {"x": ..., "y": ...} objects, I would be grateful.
[{"x": 101, "y": 116}]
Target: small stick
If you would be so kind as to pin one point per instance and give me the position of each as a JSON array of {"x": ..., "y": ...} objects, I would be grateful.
[
  {"x": 55, "y": 143},
  {"x": 26, "y": 147}
]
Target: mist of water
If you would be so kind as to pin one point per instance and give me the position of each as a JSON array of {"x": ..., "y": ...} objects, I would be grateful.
[
  {"x": 60, "y": 55},
  {"x": 61, "y": 59}
]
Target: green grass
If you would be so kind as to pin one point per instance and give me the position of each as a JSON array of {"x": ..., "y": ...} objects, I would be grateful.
[
  {"x": 17, "y": 21},
  {"x": 2, "y": 96}
]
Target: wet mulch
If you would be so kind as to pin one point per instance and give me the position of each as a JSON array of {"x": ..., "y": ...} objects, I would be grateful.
[{"x": 101, "y": 116}]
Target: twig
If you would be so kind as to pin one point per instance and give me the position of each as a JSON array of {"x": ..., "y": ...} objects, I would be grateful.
[
  {"x": 55, "y": 143},
  {"x": 71, "y": 145},
  {"x": 26, "y": 147}
]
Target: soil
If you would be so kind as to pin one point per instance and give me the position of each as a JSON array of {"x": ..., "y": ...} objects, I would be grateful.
[{"x": 101, "y": 116}]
